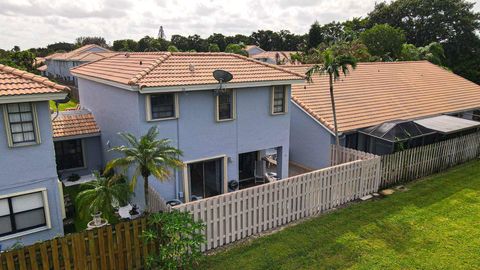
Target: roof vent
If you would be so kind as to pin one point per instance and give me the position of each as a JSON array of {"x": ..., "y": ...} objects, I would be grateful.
[
  {"x": 141, "y": 63},
  {"x": 191, "y": 67},
  {"x": 127, "y": 55}
]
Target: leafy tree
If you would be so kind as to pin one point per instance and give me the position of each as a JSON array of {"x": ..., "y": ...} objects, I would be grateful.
[
  {"x": 315, "y": 36},
  {"x": 146, "y": 156},
  {"x": 172, "y": 48},
  {"x": 218, "y": 39},
  {"x": 102, "y": 194},
  {"x": 384, "y": 41},
  {"x": 61, "y": 46},
  {"x": 127, "y": 45},
  {"x": 409, "y": 53},
  {"x": 82, "y": 41},
  {"x": 354, "y": 48},
  {"x": 180, "y": 42},
  {"x": 178, "y": 238},
  {"x": 332, "y": 66},
  {"x": 452, "y": 23},
  {"x": 433, "y": 52},
  {"x": 145, "y": 44},
  {"x": 237, "y": 49},
  {"x": 213, "y": 47}
]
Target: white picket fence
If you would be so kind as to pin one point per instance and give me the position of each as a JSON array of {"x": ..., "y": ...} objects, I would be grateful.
[
  {"x": 156, "y": 202},
  {"x": 422, "y": 161},
  {"x": 236, "y": 215}
]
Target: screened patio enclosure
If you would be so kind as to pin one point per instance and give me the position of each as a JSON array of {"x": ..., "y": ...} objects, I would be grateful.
[{"x": 394, "y": 136}]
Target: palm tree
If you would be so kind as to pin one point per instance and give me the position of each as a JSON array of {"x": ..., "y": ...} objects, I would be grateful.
[
  {"x": 102, "y": 194},
  {"x": 333, "y": 66},
  {"x": 148, "y": 156}
]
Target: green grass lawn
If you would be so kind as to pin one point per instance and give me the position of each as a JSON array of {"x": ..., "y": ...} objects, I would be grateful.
[
  {"x": 62, "y": 106},
  {"x": 433, "y": 225}
]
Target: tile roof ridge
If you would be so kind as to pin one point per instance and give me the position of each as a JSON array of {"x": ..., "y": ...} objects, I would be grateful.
[
  {"x": 88, "y": 63},
  {"x": 267, "y": 65},
  {"x": 30, "y": 76},
  {"x": 147, "y": 70},
  {"x": 313, "y": 114}
]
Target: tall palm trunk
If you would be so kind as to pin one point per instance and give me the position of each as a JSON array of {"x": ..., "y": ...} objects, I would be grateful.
[
  {"x": 337, "y": 139},
  {"x": 145, "y": 190},
  {"x": 332, "y": 98}
]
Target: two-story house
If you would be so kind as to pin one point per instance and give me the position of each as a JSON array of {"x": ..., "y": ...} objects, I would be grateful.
[
  {"x": 30, "y": 195},
  {"x": 58, "y": 65},
  {"x": 225, "y": 135}
]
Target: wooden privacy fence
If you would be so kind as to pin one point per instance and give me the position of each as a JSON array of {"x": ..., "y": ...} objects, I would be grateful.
[
  {"x": 422, "y": 161},
  {"x": 110, "y": 247},
  {"x": 236, "y": 215},
  {"x": 340, "y": 155}
]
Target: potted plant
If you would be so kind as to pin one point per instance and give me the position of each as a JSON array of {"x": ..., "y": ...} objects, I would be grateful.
[{"x": 101, "y": 195}]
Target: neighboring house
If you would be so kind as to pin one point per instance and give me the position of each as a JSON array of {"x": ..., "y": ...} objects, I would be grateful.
[
  {"x": 381, "y": 108},
  {"x": 224, "y": 135},
  {"x": 30, "y": 194},
  {"x": 275, "y": 57},
  {"x": 43, "y": 70},
  {"x": 59, "y": 64},
  {"x": 78, "y": 148},
  {"x": 253, "y": 50}
]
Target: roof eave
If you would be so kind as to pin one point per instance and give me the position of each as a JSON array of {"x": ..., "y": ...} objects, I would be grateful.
[
  {"x": 73, "y": 137},
  {"x": 32, "y": 97},
  {"x": 107, "y": 82},
  {"x": 203, "y": 87}
]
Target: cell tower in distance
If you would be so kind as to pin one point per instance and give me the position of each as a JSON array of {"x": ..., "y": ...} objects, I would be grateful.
[{"x": 161, "y": 33}]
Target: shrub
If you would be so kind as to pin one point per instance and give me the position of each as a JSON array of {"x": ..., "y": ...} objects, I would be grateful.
[{"x": 178, "y": 238}]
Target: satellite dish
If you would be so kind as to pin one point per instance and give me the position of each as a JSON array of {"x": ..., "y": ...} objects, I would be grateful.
[{"x": 222, "y": 77}]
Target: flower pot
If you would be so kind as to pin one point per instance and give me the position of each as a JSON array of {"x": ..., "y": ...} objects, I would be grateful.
[{"x": 97, "y": 218}]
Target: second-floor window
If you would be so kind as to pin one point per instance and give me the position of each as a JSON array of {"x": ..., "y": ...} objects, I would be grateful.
[
  {"x": 21, "y": 123},
  {"x": 69, "y": 154},
  {"x": 162, "y": 106},
  {"x": 226, "y": 106},
  {"x": 279, "y": 99}
]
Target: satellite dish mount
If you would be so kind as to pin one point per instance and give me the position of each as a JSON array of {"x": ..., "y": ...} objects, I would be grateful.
[{"x": 222, "y": 77}]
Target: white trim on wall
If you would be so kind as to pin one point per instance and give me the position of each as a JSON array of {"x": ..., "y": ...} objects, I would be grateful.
[
  {"x": 148, "y": 108},
  {"x": 36, "y": 127},
  {"x": 204, "y": 87},
  {"x": 234, "y": 107},
  {"x": 186, "y": 184},
  {"x": 46, "y": 208},
  {"x": 32, "y": 98}
]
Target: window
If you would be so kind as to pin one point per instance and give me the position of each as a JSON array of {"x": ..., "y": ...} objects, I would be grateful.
[
  {"x": 225, "y": 106},
  {"x": 21, "y": 123},
  {"x": 279, "y": 99},
  {"x": 205, "y": 178},
  {"x": 69, "y": 154},
  {"x": 162, "y": 106},
  {"x": 22, "y": 213}
]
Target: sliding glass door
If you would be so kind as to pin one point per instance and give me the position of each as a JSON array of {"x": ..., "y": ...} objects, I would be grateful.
[{"x": 205, "y": 178}]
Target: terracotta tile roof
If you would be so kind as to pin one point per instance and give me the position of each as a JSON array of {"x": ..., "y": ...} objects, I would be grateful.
[
  {"x": 42, "y": 68},
  {"x": 18, "y": 82},
  {"x": 161, "y": 69},
  {"x": 283, "y": 55},
  {"x": 375, "y": 93},
  {"x": 74, "y": 123},
  {"x": 78, "y": 54}
]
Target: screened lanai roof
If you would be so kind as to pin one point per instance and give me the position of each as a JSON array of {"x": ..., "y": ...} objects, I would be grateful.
[
  {"x": 447, "y": 124},
  {"x": 397, "y": 131}
]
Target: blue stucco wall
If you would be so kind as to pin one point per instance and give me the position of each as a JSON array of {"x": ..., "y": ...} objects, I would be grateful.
[
  {"x": 93, "y": 153},
  {"x": 195, "y": 132},
  {"x": 309, "y": 141},
  {"x": 32, "y": 167}
]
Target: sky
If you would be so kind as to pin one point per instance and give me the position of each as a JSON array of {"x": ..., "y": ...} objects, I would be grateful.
[{"x": 37, "y": 23}]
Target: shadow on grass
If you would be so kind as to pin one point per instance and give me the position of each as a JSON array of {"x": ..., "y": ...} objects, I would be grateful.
[{"x": 374, "y": 232}]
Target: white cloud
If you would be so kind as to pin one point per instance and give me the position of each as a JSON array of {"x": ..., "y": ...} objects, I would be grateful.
[{"x": 36, "y": 23}]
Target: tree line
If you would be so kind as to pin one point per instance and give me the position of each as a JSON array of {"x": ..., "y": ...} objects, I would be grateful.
[{"x": 444, "y": 32}]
